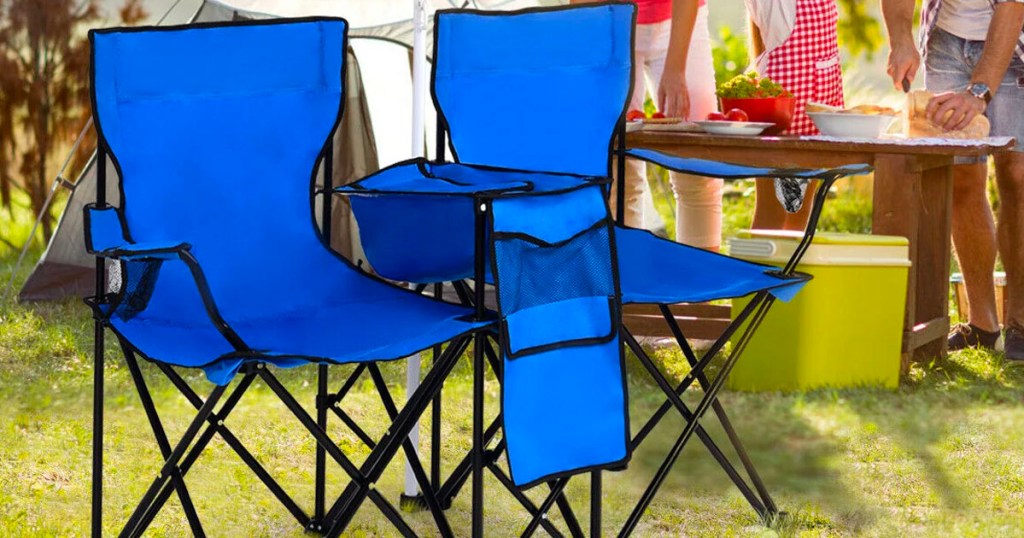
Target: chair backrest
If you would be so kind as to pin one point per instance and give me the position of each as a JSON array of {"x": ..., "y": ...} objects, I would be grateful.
[
  {"x": 216, "y": 131},
  {"x": 538, "y": 89}
]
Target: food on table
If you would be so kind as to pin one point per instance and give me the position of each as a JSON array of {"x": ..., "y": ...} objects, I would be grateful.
[
  {"x": 662, "y": 120},
  {"x": 716, "y": 116},
  {"x": 656, "y": 117},
  {"x": 917, "y": 124},
  {"x": 750, "y": 85},
  {"x": 868, "y": 110},
  {"x": 736, "y": 114}
]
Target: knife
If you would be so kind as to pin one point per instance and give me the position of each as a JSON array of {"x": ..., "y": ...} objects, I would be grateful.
[{"x": 906, "y": 85}]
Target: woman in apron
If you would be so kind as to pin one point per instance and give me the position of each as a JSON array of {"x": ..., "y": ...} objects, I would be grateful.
[{"x": 796, "y": 46}]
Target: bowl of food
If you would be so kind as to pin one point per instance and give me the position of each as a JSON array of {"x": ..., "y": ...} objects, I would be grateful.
[
  {"x": 863, "y": 121},
  {"x": 763, "y": 100}
]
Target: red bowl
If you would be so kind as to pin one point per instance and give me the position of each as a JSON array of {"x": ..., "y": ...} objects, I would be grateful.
[{"x": 777, "y": 110}]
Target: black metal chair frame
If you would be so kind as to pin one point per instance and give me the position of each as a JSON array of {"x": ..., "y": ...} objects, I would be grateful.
[{"x": 755, "y": 492}]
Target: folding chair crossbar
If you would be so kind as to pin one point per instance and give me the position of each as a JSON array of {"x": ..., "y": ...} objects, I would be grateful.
[
  {"x": 363, "y": 479},
  {"x": 687, "y": 381},
  {"x": 723, "y": 418},
  {"x": 463, "y": 471},
  {"x": 161, "y": 440},
  {"x": 701, "y": 432},
  {"x": 216, "y": 426},
  {"x": 355, "y": 476},
  {"x": 698, "y": 413},
  {"x": 171, "y": 463},
  {"x": 557, "y": 487},
  {"x": 412, "y": 456}
]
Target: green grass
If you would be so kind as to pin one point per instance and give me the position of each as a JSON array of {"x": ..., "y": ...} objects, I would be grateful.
[{"x": 941, "y": 456}]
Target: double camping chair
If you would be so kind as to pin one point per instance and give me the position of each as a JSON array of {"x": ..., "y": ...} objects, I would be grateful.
[{"x": 217, "y": 146}]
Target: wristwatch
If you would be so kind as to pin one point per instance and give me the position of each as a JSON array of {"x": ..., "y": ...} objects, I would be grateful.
[{"x": 980, "y": 90}]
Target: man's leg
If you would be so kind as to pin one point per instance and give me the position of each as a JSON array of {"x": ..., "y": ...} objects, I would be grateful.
[
  {"x": 1010, "y": 179},
  {"x": 974, "y": 238}
]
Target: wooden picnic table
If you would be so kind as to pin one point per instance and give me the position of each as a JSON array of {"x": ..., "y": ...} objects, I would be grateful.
[{"x": 913, "y": 191}]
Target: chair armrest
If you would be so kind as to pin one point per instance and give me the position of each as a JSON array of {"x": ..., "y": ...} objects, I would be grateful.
[
  {"x": 727, "y": 171},
  {"x": 107, "y": 237},
  {"x": 715, "y": 169}
]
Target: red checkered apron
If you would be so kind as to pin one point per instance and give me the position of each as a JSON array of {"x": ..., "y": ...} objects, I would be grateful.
[{"x": 807, "y": 64}]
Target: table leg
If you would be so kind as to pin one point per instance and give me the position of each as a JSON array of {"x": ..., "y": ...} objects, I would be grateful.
[{"x": 913, "y": 197}]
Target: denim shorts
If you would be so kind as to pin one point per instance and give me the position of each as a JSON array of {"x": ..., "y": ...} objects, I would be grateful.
[{"x": 948, "y": 65}]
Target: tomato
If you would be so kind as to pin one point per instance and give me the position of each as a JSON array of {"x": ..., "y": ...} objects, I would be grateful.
[
  {"x": 634, "y": 115},
  {"x": 657, "y": 116},
  {"x": 736, "y": 115},
  {"x": 716, "y": 116}
]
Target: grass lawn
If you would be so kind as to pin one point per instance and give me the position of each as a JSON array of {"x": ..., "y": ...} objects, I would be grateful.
[{"x": 941, "y": 456}]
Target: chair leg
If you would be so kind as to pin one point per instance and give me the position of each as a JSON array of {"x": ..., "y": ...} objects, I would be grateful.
[
  {"x": 478, "y": 438},
  {"x": 463, "y": 470},
  {"x": 702, "y": 434},
  {"x": 557, "y": 487},
  {"x": 595, "y": 504},
  {"x": 215, "y": 426},
  {"x": 319, "y": 493},
  {"x": 692, "y": 425},
  {"x": 344, "y": 508},
  {"x": 171, "y": 464},
  {"x": 161, "y": 439},
  {"x": 723, "y": 418},
  {"x": 429, "y": 495},
  {"x": 332, "y": 449},
  {"x": 97, "y": 432},
  {"x": 333, "y": 402}
]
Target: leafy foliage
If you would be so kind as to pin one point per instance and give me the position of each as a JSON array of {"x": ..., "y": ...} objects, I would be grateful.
[
  {"x": 859, "y": 31},
  {"x": 730, "y": 55}
]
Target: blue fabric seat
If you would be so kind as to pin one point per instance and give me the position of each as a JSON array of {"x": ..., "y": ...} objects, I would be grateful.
[
  {"x": 217, "y": 132},
  {"x": 645, "y": 259}
]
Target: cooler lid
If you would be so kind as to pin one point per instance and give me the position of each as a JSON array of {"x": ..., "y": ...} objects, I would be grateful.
[
  {"x": 828, "y": 248},
  {"x": 827, "y": 238}
]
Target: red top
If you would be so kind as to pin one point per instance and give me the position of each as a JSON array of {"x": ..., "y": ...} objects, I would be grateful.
[{"x": 652, "y": 11}]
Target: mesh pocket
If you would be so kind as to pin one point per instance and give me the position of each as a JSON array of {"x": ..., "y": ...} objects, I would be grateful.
[
  {"x": 137, "y": 281},
  {"x": 555, "y": 294}
]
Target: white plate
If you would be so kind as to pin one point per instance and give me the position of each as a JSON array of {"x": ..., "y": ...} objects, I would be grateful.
[
  {"x": 851, "y": 125},
  {"x": 747, "y": 128}
]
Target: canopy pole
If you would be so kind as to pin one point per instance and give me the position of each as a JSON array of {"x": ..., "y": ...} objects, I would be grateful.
[{"x": 419, "y": 91}]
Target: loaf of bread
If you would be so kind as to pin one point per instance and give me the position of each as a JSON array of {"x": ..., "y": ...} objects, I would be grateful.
[{"x": 916, "y": 123}]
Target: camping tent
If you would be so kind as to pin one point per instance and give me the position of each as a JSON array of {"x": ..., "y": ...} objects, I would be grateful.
[{"x": 376, "y": 130}]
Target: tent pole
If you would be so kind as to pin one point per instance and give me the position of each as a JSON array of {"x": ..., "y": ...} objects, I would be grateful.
[{"x": 419, "y": 78}]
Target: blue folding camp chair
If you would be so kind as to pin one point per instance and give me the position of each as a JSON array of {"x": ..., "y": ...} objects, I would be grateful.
[
  {"x": 492, "y": 75},
  {"x": 216, "y": 132}
]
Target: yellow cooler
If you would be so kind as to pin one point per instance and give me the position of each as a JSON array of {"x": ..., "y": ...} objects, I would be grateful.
[{"x": 843, "y": 329}]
